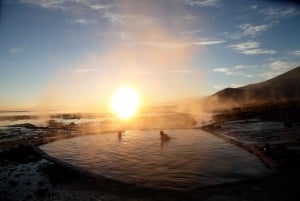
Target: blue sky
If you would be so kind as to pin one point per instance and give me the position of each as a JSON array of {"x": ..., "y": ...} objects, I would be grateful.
[{"x": 75, "y": 53}]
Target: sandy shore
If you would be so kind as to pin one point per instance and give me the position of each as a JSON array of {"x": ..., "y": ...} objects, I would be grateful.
[{"x": 26, "y": 175}]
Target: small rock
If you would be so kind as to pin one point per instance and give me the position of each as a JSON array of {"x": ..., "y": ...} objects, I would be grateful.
[
  {"x": 12, "y": 183},
  {"x": 41, "y": 192},
  {"x": 41, "y": 183}
]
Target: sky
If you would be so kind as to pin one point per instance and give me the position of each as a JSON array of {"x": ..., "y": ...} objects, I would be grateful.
[{"x": 59, "y": 54}]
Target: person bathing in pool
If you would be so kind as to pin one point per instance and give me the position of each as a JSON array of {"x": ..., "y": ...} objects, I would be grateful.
[{"x": 164, "y": 136}]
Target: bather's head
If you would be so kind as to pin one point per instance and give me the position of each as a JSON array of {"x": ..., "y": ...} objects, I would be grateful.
[{"x": 161, "y": 132}]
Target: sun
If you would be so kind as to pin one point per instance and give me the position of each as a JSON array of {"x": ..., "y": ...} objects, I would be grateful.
[{"x": 125, "y": 102}]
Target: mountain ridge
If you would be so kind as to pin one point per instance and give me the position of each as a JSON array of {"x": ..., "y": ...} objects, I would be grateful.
[{"x": 283, "y": 87}]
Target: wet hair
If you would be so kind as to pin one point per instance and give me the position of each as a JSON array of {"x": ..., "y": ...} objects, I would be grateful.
[{"x": 161, "y": 132}]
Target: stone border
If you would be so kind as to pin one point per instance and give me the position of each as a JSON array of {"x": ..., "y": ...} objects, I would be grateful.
[{"x": 269, "y": 162}]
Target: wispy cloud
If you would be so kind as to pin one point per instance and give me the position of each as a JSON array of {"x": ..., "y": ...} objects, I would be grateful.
[
  {"x": 232, "y": 71},
  {"x": 98, "y": 6},
  {"x": 177, "y": 44},
  {"x": 67, "y": 4},
  {"x": 236, "y": 85},
  {"x": 259, "y": 51},
  {"x": 218, "y": 87},
  {"x": 278, "y": 13},
  {"x": 278, "y": 67},
  {"x": 81, "y": 21},
  {"x": 208, "y": 41},
  {"x": 191, "y": 32},
  {"x": 296, "y": 53},
  {"x": 50, "y": 4},
  {"x": 245, "y": 66},
  {"x": 251, "y": 48},
  {"x": 128, "y": 19},
  {"x": 204, "y": 3},
  {"x": 253, "y": 30},
  {"x": 166, "y": 45},
  {"x": 15, "y": 50},
  {"x": 253, "y": 7},
  {"x": 221, "y": 70},
  {"x": 86, "y": 70}
]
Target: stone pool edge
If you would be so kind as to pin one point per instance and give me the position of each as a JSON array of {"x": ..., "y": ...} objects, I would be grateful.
[{"x": 269, "y": 162}]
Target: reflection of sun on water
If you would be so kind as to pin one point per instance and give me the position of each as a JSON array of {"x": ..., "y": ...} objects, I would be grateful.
[{"x": 125, "y": 102}]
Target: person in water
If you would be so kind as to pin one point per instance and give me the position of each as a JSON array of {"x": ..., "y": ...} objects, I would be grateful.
[
  {"x": 120, "y": 135},
  {"x": 266, "y": 148},
  {"x": 164, "y": 136}
]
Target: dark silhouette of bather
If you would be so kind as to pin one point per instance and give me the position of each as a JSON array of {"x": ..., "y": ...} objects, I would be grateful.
[
  {"x": 164, "y": 138},
  {"x": 266, "y": 148},
  {"x": 120, "y": 135}
]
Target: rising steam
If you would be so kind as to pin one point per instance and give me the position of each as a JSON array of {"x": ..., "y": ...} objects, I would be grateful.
[{"x": 143, "y": 47}]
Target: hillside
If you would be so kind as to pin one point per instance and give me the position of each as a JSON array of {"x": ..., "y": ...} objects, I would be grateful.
[{"x": 284, "y": 87}]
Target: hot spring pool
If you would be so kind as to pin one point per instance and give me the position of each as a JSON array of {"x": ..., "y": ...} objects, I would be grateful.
[{"x": 192, "y": 158}]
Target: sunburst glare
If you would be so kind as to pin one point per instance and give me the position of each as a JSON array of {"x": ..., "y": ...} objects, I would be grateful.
[{"x": 125, "y": 102}]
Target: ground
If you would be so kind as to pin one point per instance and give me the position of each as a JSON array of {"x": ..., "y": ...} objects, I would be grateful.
[{"x": 25, "y": 174}]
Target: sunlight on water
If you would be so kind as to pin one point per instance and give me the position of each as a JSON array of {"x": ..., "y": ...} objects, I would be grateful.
[{"x": 192, "y": 158}]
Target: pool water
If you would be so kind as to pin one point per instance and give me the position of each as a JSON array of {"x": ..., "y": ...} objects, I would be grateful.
[{"x": 192, "y": 158}]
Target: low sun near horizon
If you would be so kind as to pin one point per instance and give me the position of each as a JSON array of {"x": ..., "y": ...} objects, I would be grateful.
[{"x": 125, "y": 102}]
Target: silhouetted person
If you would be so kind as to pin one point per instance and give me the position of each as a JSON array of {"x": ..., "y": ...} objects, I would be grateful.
[
  {"x": 164, "y": 136},
  {"x": 120, "y": 135},
  {"x": 288, "y": 117},
  {"x": 267, "y": 148}
]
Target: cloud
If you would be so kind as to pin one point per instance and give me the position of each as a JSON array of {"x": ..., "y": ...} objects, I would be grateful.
[
  {"x": 191, "y": 32},
  {"x": 81, "y": 21},
  {"x": 128, "y": 19},
  {"x": 176, "y": 44},
  {"x": 253, "y": 7},
  {"x": 100, "y": 6},
  {"x": 278, "y": 67},
  {"x": 259, "y": 51},
  {"x": 233, "y": 71},
  {"x": 252, "y": 30},
  {"x": 207, "y": 42},
  {"x": 296, "y": 53},
  {"x": 245, "y": 46},
  {"x": 278, "y": 13},
  {"x": 221, "y": 70},
  {"x": 86, "y": 70},
  {"x": 218, "y": 87},
  {"x": 204, "y": 3},
  {"x": 251, "y": 48},
  {"x": 67, "y": 4},
  {"x": 15, "y": 50},
  {"x": 245, "y": 66},
  {"x": 49, "y": 4},
  {"x": 236, "y": 85}
]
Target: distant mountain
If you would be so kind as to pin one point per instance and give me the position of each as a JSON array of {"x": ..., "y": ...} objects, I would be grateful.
[{"x": 281, "y": 88}]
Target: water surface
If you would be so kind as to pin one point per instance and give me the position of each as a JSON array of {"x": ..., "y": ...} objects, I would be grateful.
[{"x": 192, "y": 158}]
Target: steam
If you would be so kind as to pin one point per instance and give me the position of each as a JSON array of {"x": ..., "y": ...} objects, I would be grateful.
[{"x": 143, "y": 47}]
